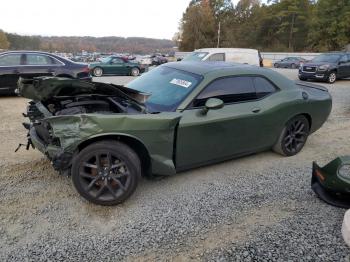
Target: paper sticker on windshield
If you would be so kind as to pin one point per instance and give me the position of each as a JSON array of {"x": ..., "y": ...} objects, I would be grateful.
[{"x": 180, "y": 82}]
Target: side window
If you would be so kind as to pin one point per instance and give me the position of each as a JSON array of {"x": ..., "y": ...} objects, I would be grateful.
[
  {"x": 228, "y": 89},
  {"x": 34, "y": 59},
  {"x": 263, "y": 87},
  {"x": 10, "y": 60},
  {"x": 117, "y": 61},
  {"x": 217, "y": 57}
]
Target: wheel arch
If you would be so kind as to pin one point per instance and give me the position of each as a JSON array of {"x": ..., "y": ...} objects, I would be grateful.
[
  {"x": 309, "y": 119},
  {"x": 134, "y": 143},
  {"x": 135, "y": 66},
  {"x": 306, "y": 115}
]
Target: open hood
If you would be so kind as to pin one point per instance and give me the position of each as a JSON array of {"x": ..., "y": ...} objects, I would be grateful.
[{"x": 44, "y": 88}]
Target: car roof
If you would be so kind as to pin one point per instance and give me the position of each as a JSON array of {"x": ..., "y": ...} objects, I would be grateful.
[
  {"x": 202, "y": 67},
  {"x": 213, "y": 70},
  {"x": 26, "y": 51},
  {"x": 245, "y": 50}
]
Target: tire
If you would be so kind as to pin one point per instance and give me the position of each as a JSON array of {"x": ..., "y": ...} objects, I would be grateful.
[
  {"x": 98, "y": 71},
  {"x": 293, "y": 136},
  {"x": 135, "y": 71},
  {"x": 293, "y": 66},
  {"x": 275, "y": 65},
  {"x": 332, "y": 77},
  {"x": 113, "y": 180},
  {"x": 302, "y": 78}
]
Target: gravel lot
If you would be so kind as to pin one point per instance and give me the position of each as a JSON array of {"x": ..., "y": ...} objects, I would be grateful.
[{"x": 257, "y": 208}]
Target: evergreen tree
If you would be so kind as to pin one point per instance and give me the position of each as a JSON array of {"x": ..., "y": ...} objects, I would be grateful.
[{"x": 4, "y": 43}]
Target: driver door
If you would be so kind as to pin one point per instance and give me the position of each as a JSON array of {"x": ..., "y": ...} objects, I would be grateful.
[
  {"x": 117, "y": 66},
  {"x": 242, "y": 126}
]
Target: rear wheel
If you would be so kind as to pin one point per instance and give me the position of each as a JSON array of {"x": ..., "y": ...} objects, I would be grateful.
[
  {"x": 106, "y": 173},
  {"x": 135, "y": 71},
  {"x": 98, "y": 71},
  {"x": 293, "y": 136},
  {"x": 332, "y": 77}
]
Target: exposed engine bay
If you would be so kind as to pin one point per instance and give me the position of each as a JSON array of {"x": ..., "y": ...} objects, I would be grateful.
[
  {"x": 59, "y": 97},
  {"x": 86, "y": 104}
]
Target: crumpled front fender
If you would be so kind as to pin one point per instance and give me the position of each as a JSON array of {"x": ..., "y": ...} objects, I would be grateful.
[{"x": 155, "y": 131}]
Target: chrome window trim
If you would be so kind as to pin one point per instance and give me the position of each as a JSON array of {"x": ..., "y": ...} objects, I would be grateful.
[{"x": 60, "y": 62}]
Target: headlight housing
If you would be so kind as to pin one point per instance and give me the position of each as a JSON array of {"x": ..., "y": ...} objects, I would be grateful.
[
  {"x": 344, "y": 171},
  {"x": 323, "y": 67}
]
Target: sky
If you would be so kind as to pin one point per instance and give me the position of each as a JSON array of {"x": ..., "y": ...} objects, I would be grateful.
[{"x": 125, "y": 18}]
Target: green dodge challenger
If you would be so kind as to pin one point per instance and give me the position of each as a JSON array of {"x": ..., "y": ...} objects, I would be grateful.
[{"x": 175, "y": 117}]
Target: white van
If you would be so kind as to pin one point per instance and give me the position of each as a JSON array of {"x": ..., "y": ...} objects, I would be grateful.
[{"x": 237, "y": 55}]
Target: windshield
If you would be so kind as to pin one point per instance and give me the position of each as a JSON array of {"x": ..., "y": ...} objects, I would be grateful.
[
  {"x": 167, "y": 86},
  {"x": 332, "y": 58},
  {"x": 195, "y": 56}
]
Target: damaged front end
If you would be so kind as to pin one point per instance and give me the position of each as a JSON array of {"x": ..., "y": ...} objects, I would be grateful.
[
  {"x": 66, "y": 113},
  {"x": 331, "y": 183}
]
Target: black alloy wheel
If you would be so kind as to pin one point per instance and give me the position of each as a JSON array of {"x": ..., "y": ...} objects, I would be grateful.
[
  {"x": 293, "y": 136},
  {"x": 106, "y": 173}
]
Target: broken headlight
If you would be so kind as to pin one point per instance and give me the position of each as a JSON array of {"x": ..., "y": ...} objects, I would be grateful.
[{"x": 344, "y": 171}]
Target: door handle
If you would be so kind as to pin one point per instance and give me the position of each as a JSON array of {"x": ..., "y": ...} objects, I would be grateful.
[{"x": 256, "y": 110}]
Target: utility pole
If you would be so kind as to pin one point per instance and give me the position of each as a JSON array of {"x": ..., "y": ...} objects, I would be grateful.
[{"x": 219, "y": 31}]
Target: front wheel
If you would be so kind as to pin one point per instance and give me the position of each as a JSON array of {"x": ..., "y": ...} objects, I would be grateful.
[
  {"x": 135, "y": 71},
  {"x": 302, "y": 78},
  {"x": 332, "y": 77},
  {"x": 293, "y": 136},
  {"x": 106, "y": 173}
]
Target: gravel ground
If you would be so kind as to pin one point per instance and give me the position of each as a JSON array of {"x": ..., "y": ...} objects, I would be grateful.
[{"x": 256, "y": 208}]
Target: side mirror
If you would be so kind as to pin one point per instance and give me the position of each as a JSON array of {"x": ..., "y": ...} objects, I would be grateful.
[{"x": 211, "y": 104}]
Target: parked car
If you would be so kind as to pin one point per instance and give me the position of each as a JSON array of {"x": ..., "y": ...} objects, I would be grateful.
[
  {"x": 176, "y": 117},
  {"x": 331, "y": 183},
  {"x": 326, "y": 67},
  {"x": 29, "y": 64},
  {"x": 158, "y": 60},
  {"x": 237, "y": 55},
  {"x": 290, "y": 62},
  {"x": 116, "y": 65}
]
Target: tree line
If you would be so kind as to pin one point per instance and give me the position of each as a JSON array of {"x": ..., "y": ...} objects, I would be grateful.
[
  {"x": 278, "y": 25},
  {"x": 137, "y": 45}
]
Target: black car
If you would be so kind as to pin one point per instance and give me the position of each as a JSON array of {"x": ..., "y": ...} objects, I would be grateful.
[
  {"x": 290, "y": 62},
  {"x": 29, "y": 64},
  {"x": 326, "y": 67}
]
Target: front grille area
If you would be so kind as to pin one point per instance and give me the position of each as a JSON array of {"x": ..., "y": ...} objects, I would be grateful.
[{"x": 309, "y": 69}]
